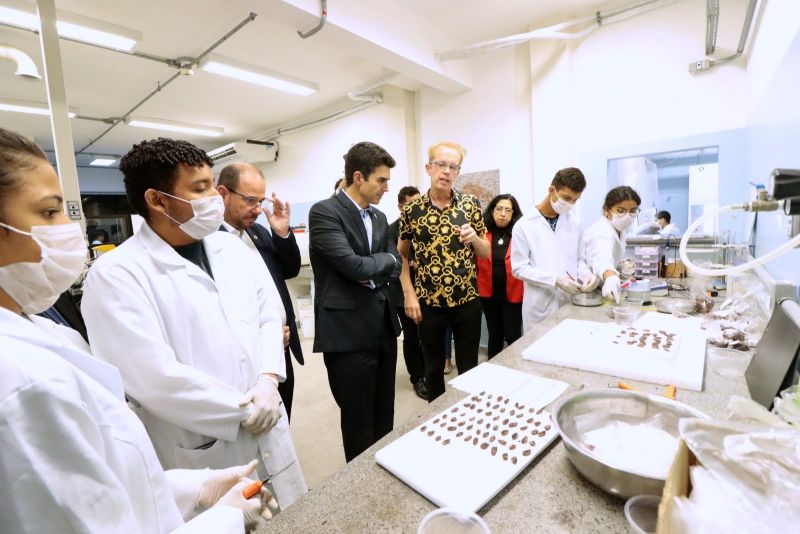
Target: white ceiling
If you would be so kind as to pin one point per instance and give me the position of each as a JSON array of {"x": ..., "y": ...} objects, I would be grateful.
[{"x": 344, "y": 55}]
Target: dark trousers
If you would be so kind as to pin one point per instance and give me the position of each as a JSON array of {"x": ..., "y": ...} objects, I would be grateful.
[
  {"x": 504, "y": 322},
  {"x": 286, "y": 388},
  {"x": 362, "y": 383},
  {"x": 412, "y": 351},
  {"x": 465, "y": 321}
]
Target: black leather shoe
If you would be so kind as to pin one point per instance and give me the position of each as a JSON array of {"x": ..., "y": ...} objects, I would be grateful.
[{"x": 420, "y": 390}]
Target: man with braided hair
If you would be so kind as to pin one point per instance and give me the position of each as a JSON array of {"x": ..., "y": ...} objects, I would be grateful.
[{"x": 192, "y": 323}]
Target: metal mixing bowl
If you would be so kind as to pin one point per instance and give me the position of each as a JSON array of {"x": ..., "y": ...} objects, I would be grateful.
[{"x": 628, "y": 406}]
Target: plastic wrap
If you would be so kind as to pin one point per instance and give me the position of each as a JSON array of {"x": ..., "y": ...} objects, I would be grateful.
[{"x": 749, "y": 480}]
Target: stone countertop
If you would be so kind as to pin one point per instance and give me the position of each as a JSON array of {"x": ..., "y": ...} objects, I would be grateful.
[{"x": 548, "y": 496}]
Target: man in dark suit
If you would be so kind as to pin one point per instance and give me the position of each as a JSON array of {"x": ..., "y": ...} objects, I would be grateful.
[
  {"x": 412, "y": 351},
  {"x": 243, "y": 190},
  {"x": 355, "y": 322}
]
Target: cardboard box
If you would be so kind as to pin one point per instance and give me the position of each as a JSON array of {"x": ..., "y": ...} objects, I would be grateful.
[{"x": 678, "y": 484}]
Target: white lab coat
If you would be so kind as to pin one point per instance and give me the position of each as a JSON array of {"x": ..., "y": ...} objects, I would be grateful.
[
  {"x": 189, "y": 348},
  {"x": 671, "y": 230},
  {"x": 73, "y": 457},
  {"x": 538, "y": 257},
  {"x": 603, "y": 247}
]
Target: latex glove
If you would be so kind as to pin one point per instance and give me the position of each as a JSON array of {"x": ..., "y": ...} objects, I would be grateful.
[
  {"x": 253, "y": 509},
  {"x": 266, "y": 405},
  {"x": 286, "y": 335},
  {"x": 567, "y": 285},
  {"x": 611, "y": 288},
  {"x": 217, "y": 482},
  {"x": 590, "y": 283},
  {"x": 626, "y": 268}
]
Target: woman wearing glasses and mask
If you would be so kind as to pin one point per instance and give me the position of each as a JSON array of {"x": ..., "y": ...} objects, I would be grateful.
[
  {"x": 604, "y": 241},
  {"x": 500, "y": 291},
  {"x": 73, "y": 456}
]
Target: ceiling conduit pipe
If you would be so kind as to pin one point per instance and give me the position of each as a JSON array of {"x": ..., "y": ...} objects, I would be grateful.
[
  {"x": 26, "y": 68},
  {"x": 323, "y": 17},
  {"x": 595, "y": 21},
  {"x": 707, "y": 64}
]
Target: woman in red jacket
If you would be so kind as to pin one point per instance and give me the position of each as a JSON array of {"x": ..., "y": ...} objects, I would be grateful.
[{"x": 500, "y": 292}]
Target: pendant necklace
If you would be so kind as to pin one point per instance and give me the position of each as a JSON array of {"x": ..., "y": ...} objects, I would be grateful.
[{"x": 500, "y": 241}]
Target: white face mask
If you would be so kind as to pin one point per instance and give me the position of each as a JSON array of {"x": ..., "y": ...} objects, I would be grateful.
[
  {"x": 37, "y": 286},
  {"x": 560, "y": 206},
  {"x": 208, "y": 215},
  {"x": 621, "y": 221}
]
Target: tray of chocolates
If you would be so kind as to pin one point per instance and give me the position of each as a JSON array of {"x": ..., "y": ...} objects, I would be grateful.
[{"x": 464, "y": 455}]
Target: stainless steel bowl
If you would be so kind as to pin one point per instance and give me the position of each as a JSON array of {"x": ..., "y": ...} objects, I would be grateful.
[{"x": 627, "y": 406}]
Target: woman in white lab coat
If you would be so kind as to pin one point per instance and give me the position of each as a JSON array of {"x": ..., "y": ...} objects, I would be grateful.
[
  {"x": 73, "y": 457},
  {"x": 604, "y": 242}
]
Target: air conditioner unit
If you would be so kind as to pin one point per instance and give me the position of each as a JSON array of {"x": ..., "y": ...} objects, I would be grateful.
[{"x": 247, "y": 151}]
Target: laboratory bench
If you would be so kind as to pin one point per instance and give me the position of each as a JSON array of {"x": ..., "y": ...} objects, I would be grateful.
[{"x": 549, "y": 495}]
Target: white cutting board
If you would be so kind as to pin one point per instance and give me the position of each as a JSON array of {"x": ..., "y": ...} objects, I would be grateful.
[
  {"x": 588, "y": 345},
  {"x": 462, "y": 474}
]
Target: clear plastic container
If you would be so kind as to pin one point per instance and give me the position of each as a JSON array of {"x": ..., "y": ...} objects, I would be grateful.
[
  {"x": 625, "y": 314},
  {"x": 730, "y": 363},
  {"x": 452, "y": 521},
  {"x": 642, "y": 513}
]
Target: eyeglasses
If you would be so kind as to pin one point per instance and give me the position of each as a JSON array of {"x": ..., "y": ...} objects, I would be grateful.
[
  {"x": 623, "y": 211},
  {"x": 444, "y": 165},
  {"x": 251, "y": 202},
  {"x": 503, "y": 209}
]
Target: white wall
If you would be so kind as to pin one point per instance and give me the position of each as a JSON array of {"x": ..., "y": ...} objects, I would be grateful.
[
  {"x": 310, "y": 160},
  {"x": 491, "y": 121},
  {"x": 628, "y": 84}
]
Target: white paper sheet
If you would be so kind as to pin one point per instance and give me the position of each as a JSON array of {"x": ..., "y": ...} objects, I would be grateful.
[{"x": 524, "y": 387}]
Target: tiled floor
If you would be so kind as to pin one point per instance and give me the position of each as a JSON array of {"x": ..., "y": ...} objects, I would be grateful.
[{"x": 315, "y": 416}]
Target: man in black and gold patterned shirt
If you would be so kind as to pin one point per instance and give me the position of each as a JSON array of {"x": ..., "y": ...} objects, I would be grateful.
[{"x": 447, "y": 230}]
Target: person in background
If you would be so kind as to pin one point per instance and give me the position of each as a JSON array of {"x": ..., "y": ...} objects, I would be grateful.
[
  {"x": 355, "y": 323},
  {"x": 412, "y": 352},
  {"x": 193, "y": 323},
  {"x": 100, "y": 237},
  {"x": 544, "y": 250},
  {"x": 604, "y": 242},
  {"x": 243, "y": 189},
  {"x": 339, "y": 184},
  {"x": 74, "y": 457},
  {"x": 500, "y": 291},
  {"x": 666, "y": 228},
  {"x": 447, "y": 231}
]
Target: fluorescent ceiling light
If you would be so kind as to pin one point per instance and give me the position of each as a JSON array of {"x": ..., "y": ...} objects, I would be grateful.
[
  {"x": 171, "y": 126},
  {"x": 33, "y": 108},
  {"x": 102, "y": 162},
  {"x": 259, "y": 76},
  {"x": 76, "y": 27}
]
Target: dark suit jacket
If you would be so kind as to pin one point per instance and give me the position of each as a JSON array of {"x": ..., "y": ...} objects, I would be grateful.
[
  {"x": 282, "y": 257},
  {"x": 348, "y": 315}
]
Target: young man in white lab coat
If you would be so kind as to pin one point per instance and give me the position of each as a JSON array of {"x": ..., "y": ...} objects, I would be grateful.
[
  {"x": 544, "y": 250},
  {"x": 190, "y": 321}
]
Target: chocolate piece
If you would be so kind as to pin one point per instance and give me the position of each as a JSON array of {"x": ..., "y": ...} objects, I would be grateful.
[
  {"x": 547, "y": 427},
  {"x": 485, "y": 434},
  {"x": 459, "y": 434},
  {"x": 461, "y": 423},
  {"x": 537, "y": 423},
  {"x": 446, "y": 442},
  {"x": 523, "y": 428},
  {"x": 511, "y": 411},
  {"x": 438, "y": 438},
  {"x": 454, "y": 410},
  {"x": 526, "y": 452},
  {"x": 488, "y": 413},
  {"x": 505, "y": 401},
  {"x": 514, "y": 435},
  {"x": 514, "y": 460},
  {"x": 488, "y": 425},
  {"x": 505, "y": 421},
  {"x": 475, "y": 441},
  {"x": 541, "y": 434},
  {"x": 469, "y": 427},
  {"x": 495, "y": 418},
  {"x": 450, "y": 428},
  {"x": 435, "y": 420},
  {"x": 502, "y": 442},
  {"x": 480, "y": 421},
  {"x": 430, "y": 433},
  {"x": 530, "y": 420},
  {"x": 539, "y": 411},
  {"x": 512, "y": 424},
  {"x": 505, "y": 456},
  {"x": 468, "y": 438},
  {"x": 484, "y": 446},
  {"x": 424, "y": 427},
  {"x": 512, "y": 447},
  {"x": 494, "y": 451},
  {"x": 524, "y": 440},
  {"x": 499, "y": 398},
  {"x": 495, "y": 427},
  {"x": 492, "y": 438},
  {"x": 479, "y": 410},
  {"x": 504, "y": 432}
]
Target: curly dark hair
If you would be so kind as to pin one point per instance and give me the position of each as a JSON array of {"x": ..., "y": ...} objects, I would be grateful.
[
  {"x": 17, "y": 155},
  {"x": 365, "y": 157},
  {"x": 571, "y": 178},
  {"x": 489, "y": 219},
  {"x": 152, "y": 165}
]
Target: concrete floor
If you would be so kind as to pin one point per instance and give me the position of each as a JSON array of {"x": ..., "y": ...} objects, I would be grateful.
[{"x": 315, "y": 416}]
